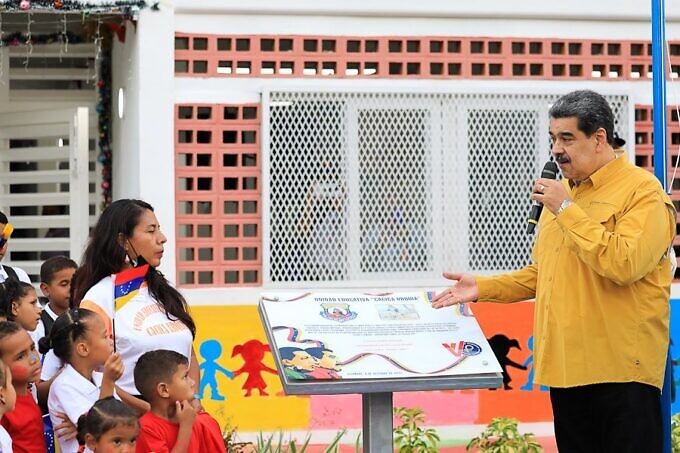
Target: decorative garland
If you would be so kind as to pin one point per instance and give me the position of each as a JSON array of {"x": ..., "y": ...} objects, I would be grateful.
[
  {"x": 19, "y": 39},
  {"x": 122, "y": 6},
  {"x": 104, "y": 112},
  {"x": 103, "y": 108}
]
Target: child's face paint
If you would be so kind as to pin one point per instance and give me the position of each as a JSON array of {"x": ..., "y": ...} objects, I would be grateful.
[
  {"x": 19, "y": 372},
  {"x": 18, "y": 352}
]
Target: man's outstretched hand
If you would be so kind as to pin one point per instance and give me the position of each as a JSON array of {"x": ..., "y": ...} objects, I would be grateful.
[{"x": 463, "y": 291}]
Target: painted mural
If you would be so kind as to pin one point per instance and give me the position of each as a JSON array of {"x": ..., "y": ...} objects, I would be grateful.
[{"x": 243, "y": 390}]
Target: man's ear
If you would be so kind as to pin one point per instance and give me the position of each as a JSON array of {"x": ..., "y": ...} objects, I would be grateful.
[
  {"x": 601, "y": 136},
  {"x": 45, "y": 289}
]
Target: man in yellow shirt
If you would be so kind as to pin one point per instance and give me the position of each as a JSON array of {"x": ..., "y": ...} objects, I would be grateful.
[{"x": 601, "y": 276}]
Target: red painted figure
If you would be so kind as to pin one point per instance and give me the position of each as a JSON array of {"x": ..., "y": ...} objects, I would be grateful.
[{"x": 252, "y": 352}]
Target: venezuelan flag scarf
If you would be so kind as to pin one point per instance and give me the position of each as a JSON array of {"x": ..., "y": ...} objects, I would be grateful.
[{"x": 125, "y": 285}]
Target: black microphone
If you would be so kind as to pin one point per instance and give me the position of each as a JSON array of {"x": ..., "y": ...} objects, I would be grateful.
[{"x": 549, "y": 172}]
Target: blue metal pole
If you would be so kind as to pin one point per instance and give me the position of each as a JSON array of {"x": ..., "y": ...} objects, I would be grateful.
[
  {"x": 659, "y": 87},
  {"x": 661, "y": 170}
]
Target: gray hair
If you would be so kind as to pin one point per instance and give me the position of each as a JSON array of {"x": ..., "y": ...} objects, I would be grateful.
[{"x": 591, "y": 110}]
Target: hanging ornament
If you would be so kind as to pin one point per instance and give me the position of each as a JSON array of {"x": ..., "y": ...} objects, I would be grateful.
[
  {"x": 25, "y": 5},
  {"x": 119, "y": 30}
]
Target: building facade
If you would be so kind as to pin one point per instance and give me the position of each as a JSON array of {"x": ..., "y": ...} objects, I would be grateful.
[{"x": 360, "y": 146}]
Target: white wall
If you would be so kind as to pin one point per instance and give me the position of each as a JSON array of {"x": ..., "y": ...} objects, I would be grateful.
[
  {"x": 622, "y": 19},
  {"x": 636, "y": 10},
  {"x": 144, "y": 155},
  {"x": 125, "y": 131},
  {"x": 603, "y": 19}
]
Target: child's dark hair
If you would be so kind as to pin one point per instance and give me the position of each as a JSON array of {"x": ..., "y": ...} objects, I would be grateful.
[
  {"x": 154, "y": 367},
  {"x": 103, "y": 416},
  {"x": 11, "y": 290},
  {"x": 66, "y": 329},
  {"x": 8, "y": 328},
  {"x": 53, "y": 265}
]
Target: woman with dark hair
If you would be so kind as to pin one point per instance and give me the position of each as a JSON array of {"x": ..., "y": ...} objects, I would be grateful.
[{"x": 127, "y": 235}]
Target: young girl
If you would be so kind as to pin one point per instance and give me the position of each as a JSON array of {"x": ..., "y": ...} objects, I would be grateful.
[
  {"x": 8, "y": 399},
  {"x": 109, "y": 427},
  {"x": 80, "y": 339},
  {"x": 24, "y": 424},
  {"x": 19, "y": 303}
]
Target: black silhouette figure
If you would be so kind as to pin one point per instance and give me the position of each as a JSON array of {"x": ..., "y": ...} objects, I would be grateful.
[{"x": 500, "y": 345}]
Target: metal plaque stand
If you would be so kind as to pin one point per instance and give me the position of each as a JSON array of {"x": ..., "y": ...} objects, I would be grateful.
[
  {"x": 376, "y": 394},
  {"x": 377, "y": 422}
]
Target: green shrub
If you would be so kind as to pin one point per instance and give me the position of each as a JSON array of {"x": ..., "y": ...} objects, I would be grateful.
[
  {"x": 502, "y": 436},
  {"x": 411, "y": 438},
  {"x": 675, "y": 433}
]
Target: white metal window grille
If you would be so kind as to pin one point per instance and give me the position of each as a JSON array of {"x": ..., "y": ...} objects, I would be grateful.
[
  {"x": 501, "y": 163},
  {"x": 372, "y": 187},
  {"x": 395, "y": 212}
]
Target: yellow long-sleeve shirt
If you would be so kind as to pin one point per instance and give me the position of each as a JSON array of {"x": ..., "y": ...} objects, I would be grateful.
[{"x": 601, "y": 280}]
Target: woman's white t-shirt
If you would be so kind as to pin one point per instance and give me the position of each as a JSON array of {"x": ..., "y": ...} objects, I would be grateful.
[
  {"x": 141, "y": 325},
  {"x": 72, "y": 394}
]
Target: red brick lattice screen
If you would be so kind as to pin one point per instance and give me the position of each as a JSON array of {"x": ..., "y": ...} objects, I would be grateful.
[
  {"x": 413, "y": 57},
  {"x": 218, "y": 195}
]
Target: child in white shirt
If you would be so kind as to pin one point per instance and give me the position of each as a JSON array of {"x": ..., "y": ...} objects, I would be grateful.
[{"x": 80, "y": 339}]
